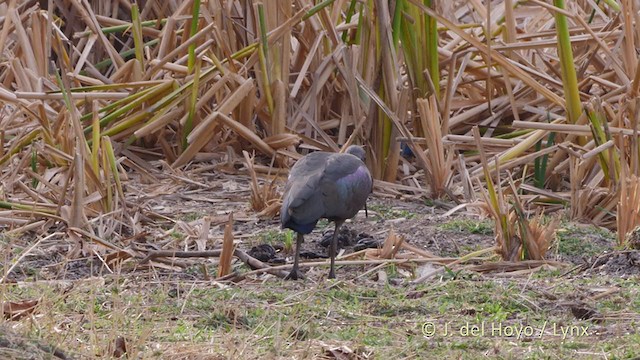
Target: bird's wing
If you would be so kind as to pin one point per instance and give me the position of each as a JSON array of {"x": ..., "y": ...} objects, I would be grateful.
[
  {"x": 302, "y": 200},
  {"x": 309, "y": 164}
]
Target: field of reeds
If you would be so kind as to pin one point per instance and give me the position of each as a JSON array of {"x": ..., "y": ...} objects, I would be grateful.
[{"x": 153, "y": 138}]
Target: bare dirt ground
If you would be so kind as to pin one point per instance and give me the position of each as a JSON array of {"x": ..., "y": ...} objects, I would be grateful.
[{"x": 588, "y": 308}]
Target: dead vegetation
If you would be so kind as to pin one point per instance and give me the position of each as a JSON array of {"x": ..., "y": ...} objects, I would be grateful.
[
  {"x": 142, "y": 87},
  {"x": 527, "y": 110}
]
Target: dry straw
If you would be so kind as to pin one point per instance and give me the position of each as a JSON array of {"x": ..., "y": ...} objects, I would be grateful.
[{"x": 121, "y": 85}]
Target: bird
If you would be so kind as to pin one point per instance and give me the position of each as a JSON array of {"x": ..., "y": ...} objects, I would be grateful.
[{"x": 334, "y": 186}]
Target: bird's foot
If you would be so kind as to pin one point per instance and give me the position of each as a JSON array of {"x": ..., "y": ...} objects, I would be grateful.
[
  {"x": 332, "y": 274},
  {"x": 295, "y": 274}
]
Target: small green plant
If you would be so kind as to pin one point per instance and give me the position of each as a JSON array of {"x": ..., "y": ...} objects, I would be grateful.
[
  {"x": 495, "y": 311},
  {"x": 34, "y": 167},
  {"x": 288, "y": 241},
  {"x": 392, "y": 270},
  {"x": 273, "y": 236},
  {"x": 450, "y": 274},
  {"x": 343, "y": 294},
  {"x": 481, "y": 227},
  {"x": 322, "y": 223},
  {"x": 540, "y": 163},
  {"x": 177, "y": 235},
  {"x": 192, "y": 216},
  {"x": 575, "y": 240}
]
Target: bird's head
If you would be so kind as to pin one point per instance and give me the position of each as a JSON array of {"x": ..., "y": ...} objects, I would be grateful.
[{"x": 357, "y": 151}]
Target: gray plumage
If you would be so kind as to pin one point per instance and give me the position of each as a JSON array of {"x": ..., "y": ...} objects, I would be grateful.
[{"x": 324, "y": 185}]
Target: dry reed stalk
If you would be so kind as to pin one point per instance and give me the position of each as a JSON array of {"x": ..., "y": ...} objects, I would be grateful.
[
  {"x": 142, "y": 79},
  {"x": 439, "y": 160},
  {"x": 628, "y": 208},
  {"x": 264, "y": 199},
  {"x": 228, "y": 247}
]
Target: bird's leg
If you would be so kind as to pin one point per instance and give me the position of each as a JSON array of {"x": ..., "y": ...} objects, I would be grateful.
[
  {"x": 295, "y": 274},
  {"x": 334, "y": 249}
]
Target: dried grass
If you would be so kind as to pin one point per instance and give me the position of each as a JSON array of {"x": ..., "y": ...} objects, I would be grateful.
[
  {"x": 628, "y": 210},
  {"x": 265, "y": 199},
  {"x": 86, "y": 87},
  {"x": 228, "y": 247}
]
